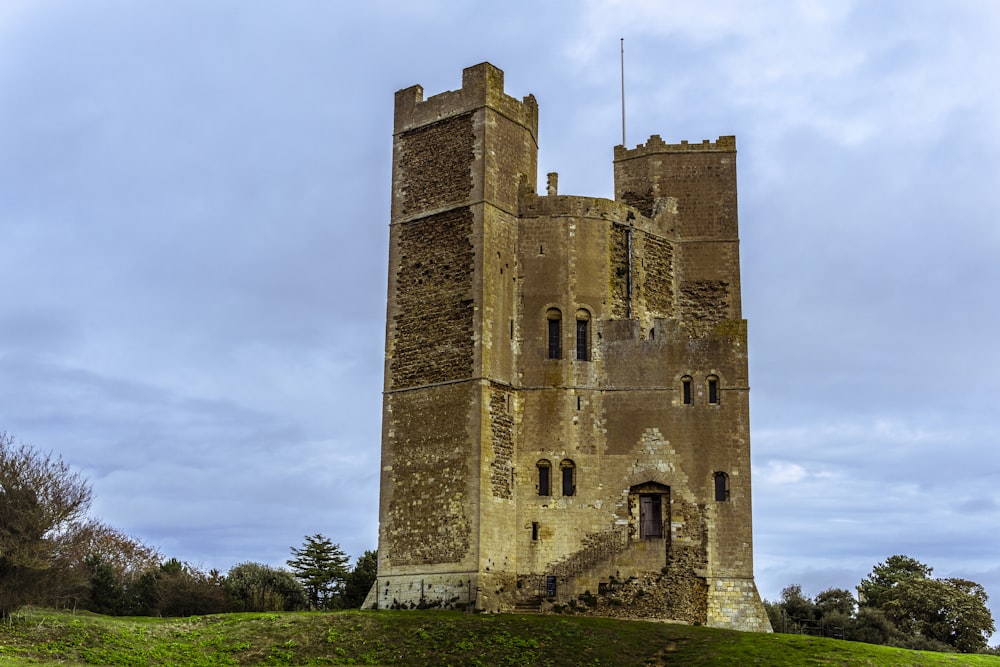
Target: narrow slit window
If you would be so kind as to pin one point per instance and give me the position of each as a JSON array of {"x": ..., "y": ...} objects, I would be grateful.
[
  {"x": 582, "y": 335},
  {"x": 544, "y": 481},
  {"x": 686, "y": 389},
  {"x": 568, "y": 469},
  {"x": 721, "y": 487},
  {"x": 554, "y": 318},
  {"x": 713, "y": 389},
  {"x": 534, "y": 531},
  {"x": 581, "y": 339}
]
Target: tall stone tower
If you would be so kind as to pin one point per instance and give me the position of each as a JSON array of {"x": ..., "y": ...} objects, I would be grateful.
[{"x": 566, "y": 416}]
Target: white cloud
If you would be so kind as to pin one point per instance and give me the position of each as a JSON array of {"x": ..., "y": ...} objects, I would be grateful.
[{"x": 783, "y": 472}]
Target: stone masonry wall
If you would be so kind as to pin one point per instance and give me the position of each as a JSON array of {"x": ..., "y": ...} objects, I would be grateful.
[
  {"x": 735, "y": 603},
  {"x": 427, "y": 520},
  {"x": 658, "y": 269},
  {"x": 434, "y": 317},
  {"x": 703, "y": 303},
  {"x": 436, "y": 160},
  {"x": 618, "y": 264},
  {"x": 502, "y": 431}
]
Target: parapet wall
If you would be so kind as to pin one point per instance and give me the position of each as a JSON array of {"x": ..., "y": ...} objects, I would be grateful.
[
  {"x": 482, "y": 85},
  {"x": 656, "y": 144},
  {"x": 533, "y": 206}
]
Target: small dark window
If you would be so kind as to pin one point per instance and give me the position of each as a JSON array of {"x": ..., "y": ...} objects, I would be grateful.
[
  {"x": 713, "y": 389},
  {"x": 534, "y": 531},
  {"x": 721, "y": 487},
  {"x": 544, "y": 478},
  {"x": 554, "y": 318},
  {"x": 568, "y": 469},
  {"x": 686, "y": 389},
  {"x": 582, "y": 349}
]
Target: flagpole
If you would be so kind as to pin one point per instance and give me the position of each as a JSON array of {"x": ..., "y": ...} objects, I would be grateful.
[{"x": 623, "y": 91}]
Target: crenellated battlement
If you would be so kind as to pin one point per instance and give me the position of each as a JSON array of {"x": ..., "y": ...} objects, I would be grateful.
[
  {"x": 482, "y": 85},
  {"x": 655, "y": 144}
]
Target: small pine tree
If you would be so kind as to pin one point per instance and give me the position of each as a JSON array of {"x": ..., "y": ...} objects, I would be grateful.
[
  {"x": 360, "y": 580},
  {"x": 321, "y": 566}
]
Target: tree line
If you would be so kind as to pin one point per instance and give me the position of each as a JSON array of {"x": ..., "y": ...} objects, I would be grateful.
[
  {"x": 52, "y": 553},
  {"x": 898, "y": 604}
]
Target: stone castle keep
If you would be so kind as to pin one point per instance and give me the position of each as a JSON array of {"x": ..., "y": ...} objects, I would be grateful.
[{"x": 566, "y": 417}]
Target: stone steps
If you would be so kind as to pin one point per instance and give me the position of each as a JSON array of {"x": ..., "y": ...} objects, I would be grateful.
[{"x": 529, "y": 606}]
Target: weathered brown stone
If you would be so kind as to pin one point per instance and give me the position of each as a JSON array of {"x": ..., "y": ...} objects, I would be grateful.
[{"x": 483, "y": 272}]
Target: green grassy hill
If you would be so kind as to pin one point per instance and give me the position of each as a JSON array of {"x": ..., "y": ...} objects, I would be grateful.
[{"x": 421, "y": 638}]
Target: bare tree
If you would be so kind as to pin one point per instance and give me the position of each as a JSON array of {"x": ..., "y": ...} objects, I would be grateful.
[
  {"x": 103, "y": 566},
  {"x": 40, "y": 499}
]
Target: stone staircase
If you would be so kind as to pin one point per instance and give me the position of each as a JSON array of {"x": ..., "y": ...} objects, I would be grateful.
[
  {"x": 598, "y": 548},
  {"x": 531, "y": 605}
]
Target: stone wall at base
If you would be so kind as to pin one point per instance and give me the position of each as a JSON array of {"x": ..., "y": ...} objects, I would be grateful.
[
  {"x": 734, "y": 603},
  {"x": 425, "y": 591}
]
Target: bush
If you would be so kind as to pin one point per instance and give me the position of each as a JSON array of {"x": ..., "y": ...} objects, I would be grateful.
[{"x": 259, "y": 587}]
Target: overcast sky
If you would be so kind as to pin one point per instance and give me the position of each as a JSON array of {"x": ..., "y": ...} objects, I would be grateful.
[{"x": 194, "y": 209}]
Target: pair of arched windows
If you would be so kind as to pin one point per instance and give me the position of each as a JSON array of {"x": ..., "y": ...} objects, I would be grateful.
[
  {"x": 567, "y": 474},
  {"x": 711, "y": 386},
  {"x": 554, "y": 319}
]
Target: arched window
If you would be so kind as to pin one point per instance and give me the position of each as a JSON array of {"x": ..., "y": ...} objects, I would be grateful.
[
  {"x": 582, "y": 335},
  {"x": 568, "y": 469},
  {"x": 713, "y": 389},
  {"x": 686, "y": 390},
  {"x": 721, "y": 487},
  {"x": 544, "y": 478},
  {"x": 554, "y": 318}
]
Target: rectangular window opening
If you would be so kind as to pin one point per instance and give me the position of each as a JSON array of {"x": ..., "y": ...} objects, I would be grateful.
[
  {"x": 554, "y": 335},
  {"x": 713, "y": 391},
  {"x": 582, "y": 348},
  {"x": 543, "y": 481},
  {"x": 534, "y": 531},
  {"x": 721, "y": 490},
  {"x": 568, "y": 487}
]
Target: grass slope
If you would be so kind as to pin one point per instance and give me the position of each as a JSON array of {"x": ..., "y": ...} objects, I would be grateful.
[{"x": 421, "y": 638}]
